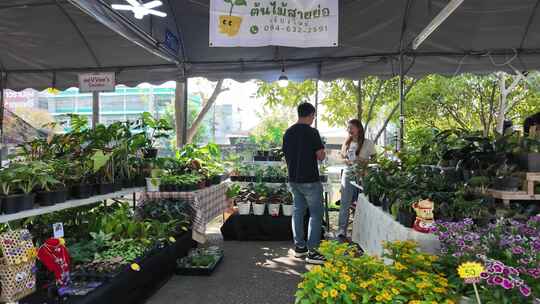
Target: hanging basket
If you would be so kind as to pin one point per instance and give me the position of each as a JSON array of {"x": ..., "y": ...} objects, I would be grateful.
[{"x": 17, "y": 247}]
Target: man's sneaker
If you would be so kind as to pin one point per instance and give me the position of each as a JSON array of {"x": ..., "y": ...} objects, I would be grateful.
[
  {"x": 315, "y": 257},
  {"x": 300, "y": 252}
]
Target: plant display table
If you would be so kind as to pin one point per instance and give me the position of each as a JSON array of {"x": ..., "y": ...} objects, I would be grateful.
[
  {"x": 372, "y": 226},
  {"x": 257, "y": 228},
  {"x": 207, "y": 204},
  {"x": 130, "y": 286},
  {"x": 529, "y": 195}
]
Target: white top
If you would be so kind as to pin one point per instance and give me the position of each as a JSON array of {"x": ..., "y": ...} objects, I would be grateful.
[{"x": 368, "y": 149}]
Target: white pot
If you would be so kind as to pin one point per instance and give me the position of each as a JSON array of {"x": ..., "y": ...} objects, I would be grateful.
[
  {"x": 243, "y": 208},
  {"x": 273, "y": 209},
  {"x": 258, "y": 209},
  {"x": 152, "y": 184},
  {"x": 287, "y": 210}
]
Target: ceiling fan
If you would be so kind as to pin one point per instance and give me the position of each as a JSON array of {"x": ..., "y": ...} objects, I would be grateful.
[{"x": 141, "y": 9}]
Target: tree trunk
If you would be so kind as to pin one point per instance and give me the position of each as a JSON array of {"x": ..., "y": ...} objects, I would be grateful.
[{"x": 207, "y": 106}]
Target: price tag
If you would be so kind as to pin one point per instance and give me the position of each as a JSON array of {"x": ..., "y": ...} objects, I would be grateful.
[{"x": 58, "y": 230}]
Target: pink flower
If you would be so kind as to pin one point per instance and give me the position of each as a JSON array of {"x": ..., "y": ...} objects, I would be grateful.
[
  {"x": 507, "y": 284},
  {"x": 498, "y": 280},
  {"x": 525, "y": 290}
]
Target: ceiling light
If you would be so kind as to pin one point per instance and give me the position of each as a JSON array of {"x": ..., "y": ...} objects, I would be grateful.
[
  {"x": 283, "y": 80},
  {"x": 141, "y": 9}
]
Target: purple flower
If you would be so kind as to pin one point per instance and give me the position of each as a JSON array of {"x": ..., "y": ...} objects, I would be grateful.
[
  {"x": 497, "y": 268},
  {"x": 460, "y": 243},
  {"x": 513, "y": 271},
  {"x": 535, "y": 273},
  {"x": 468, "y": 222},
  {"x": 491, "y": 281},
  {"x": 518, "y": 250},
  {"x": 525, "y": 290},
  {"x": 484, "y": 275},
  {"x": 536, "y": 245},
  {"x": 498, "y": 280},
  {"x": 507, "y": 284},
  {"x": 524, "y": 261},
  {"x": 457, "y": 254}
]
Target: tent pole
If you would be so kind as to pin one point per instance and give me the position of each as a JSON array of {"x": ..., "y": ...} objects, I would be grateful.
[
  {"x": 180, "y": 112},
  {"x": 401, "y": 104},
  {"x": 359, "y": 102},
  {"x": 316, "y": 103},
  {"x": 95, "y": 109}
]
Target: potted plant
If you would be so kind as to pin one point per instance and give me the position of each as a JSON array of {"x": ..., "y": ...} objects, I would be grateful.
[
  {"x": 259, "y": 205},
  {"x": 79, "y": 172},
  {"x": 153, "y": 182},
  {"x": 154, "y": 130},
  {"x": 274, "y": 204},
  {"x": 50, "y": 189},
  {"x": 26, "y": 181},
  {"x": 529, "y": 156},
  {"x": 7, "y": 177},
  {"x": 507, "y": 179}
]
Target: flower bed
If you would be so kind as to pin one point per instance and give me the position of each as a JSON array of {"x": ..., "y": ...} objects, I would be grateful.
[
  {"x": 346, "y": 277},
  {"x": 509, "y": 251}
]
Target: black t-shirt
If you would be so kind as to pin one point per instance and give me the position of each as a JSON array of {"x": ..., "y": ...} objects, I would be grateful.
[{"x": 300, "y": 143}]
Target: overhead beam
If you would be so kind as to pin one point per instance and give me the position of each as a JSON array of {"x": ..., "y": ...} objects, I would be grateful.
[{"x": 436, "y": 22}]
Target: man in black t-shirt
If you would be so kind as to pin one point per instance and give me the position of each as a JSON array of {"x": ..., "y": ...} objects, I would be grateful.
[{"x": 303, "y": 148}]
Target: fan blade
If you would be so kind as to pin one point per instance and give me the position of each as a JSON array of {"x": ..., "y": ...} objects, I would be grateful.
[
  {"x": 134, "y": 2},
  {"x": 153, "y": 4},
  {"x": 157, "y": 13},
  {"x": 122, "y": 7}
]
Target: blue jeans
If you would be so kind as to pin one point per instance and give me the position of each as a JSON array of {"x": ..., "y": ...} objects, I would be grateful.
[
  {"x": 309, "y": 195},
  {"x": 347, "y": 196}
]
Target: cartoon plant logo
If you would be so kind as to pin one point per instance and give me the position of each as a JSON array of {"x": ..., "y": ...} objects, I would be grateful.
[{"x": 229, "y": 24}]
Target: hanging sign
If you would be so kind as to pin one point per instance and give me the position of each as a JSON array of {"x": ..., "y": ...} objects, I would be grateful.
[
  {"x": 97, "y": 82},
  {"x": 293, "y": 23}
]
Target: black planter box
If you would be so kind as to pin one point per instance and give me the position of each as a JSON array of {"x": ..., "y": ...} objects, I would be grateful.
[
  {"x": 260, "y": 158},
  {"x": 82, "y": 191},
  {"x": 104, "y": 188},
  {"x": 530, "y": 162},
  {"x": 257, "y": 228},
  {"x": 130, "y": 286},
  {"x": 197, "y": 271}
]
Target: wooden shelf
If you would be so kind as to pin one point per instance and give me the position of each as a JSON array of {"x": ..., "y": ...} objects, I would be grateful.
[
  {"x": 507, "y": 196},
  {"x": 68, "y": 204}
]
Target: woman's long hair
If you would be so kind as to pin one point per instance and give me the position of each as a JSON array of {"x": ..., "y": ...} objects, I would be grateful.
[{"x": 359, "y": 140}]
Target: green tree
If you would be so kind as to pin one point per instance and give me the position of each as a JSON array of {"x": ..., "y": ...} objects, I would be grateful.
[{"x": 273, "y": 124}]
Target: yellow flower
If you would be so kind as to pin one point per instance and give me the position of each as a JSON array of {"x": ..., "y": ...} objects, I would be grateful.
[
  {"x": 379, "y": 298},
  {"x": 320, "y": 286},
  {"x": 343, "y": 287},
  {"x": 439, "y": 290},
  {"x": 399, "y": 266},
  {"x": 364, "y": 285},
  {"x": 443, "y": 284},
  {"x": 317, "y": 269},
  {"x": 324, "y": 294},
  {"x": 346, "y": 277},
  {"x": 395, "y": 291},
  {"x": 415, "y": 302},
  {"x": 333, "y": 293},
  {"x": 422, "y": 285},
  {"x": 135, "y": 267}
]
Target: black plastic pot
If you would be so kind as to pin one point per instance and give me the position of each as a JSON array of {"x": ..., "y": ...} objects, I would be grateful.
[
  {"x": 60, "y": 196},
  {"x": 215, "y": 180},
  {"x": 82, "y": 191},
  {"x": 45, "y": 198},
  {"x": 260, "y": 158},
  {"x": 139, "y": 181},
  {"x": 117, "y": 186},
  {"x": 127, "y": 183},
  {"x": 235, "y": 178},
  {"x": 150, "y": 153},
  {"x": 105, "y": 188},
  {"x": 18, "y": 202},
  {"x": 406, "y": 218},
  {"x": 507, "y": 183},
  {"x": 530, "y": 162}
]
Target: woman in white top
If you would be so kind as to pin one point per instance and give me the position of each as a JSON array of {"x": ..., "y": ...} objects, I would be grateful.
[{"x": 356, "y": 149}]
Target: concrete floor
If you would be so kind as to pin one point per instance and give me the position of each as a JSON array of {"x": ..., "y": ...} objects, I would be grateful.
[{"x": 251, "y": 272}]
